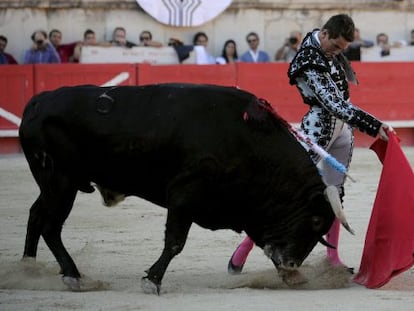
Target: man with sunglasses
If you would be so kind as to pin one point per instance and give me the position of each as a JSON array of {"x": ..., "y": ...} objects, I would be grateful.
[
  {"x": 321, "y": 73},
  {"x": 145, "y": 39},
  {"x": 254, "y": 55}
]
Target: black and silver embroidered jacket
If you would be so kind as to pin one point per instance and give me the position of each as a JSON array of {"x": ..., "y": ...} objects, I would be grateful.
[{"x": 323, "y": 82}]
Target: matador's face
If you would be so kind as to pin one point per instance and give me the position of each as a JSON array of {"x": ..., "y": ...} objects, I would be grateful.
[{"x": 330, "y": 46}]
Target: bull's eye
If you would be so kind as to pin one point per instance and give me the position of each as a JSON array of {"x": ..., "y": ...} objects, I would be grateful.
[{"x": 317, "y": 223}]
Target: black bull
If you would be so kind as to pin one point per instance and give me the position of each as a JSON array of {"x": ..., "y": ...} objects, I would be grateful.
[{"x": 215, "y": 156}]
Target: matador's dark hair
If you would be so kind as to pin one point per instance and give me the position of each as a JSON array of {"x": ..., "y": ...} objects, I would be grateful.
[{"x": 340, "y": 25}]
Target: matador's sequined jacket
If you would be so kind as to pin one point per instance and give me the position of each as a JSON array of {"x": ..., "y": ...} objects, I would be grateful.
[{"x": 323, "y": 82}]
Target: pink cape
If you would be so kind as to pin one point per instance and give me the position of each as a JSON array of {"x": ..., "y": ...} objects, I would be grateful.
[{"x": 389, "y": 242}]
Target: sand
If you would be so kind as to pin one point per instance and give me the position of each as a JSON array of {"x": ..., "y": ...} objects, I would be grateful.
[{"x": 114, "y": 246}]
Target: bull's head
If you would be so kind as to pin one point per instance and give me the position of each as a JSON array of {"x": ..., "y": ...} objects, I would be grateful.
[{"x": 291, "y": 241}]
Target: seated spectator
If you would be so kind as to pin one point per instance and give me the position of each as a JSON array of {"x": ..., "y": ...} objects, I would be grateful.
[
  {"x": 200, "y": 42},
  {"x": 382, "y": 42},
  {"x": 145, "y": 39},
  {"x": 65, "y": 51},
  {"x": 5, "y": 58},
  {"x": 254, "y": 55},
  {"x": 229, "y": 53},
  {"x": 119, "y": 38},
  {"x": 353, "y": 52},
  {"x": 286, "y": 52},
  {"x": 41, "y": 52}
]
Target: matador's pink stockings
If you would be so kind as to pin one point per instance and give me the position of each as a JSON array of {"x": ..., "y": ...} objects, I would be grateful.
[{"x": 333, "y": 238}]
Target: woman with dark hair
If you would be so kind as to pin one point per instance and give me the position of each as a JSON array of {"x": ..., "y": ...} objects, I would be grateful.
[{"x": 229, "y": 53}]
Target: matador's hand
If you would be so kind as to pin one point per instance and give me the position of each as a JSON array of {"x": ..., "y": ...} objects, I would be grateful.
[{"x": 383, "y": 131}]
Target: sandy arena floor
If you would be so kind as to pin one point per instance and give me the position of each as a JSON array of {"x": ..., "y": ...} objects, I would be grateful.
[{"x": 114, "y": 246}]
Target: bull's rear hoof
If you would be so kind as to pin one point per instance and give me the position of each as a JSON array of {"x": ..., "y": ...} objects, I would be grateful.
[
  {"x": 72, "y": 283},
  {"x": 150, "y": 287}
]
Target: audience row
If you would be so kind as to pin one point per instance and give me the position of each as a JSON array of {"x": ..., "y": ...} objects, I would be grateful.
[{"x": 48, "y": 48}]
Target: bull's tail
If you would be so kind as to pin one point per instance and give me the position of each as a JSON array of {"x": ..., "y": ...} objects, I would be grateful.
[{"x": 48, "y": 148}]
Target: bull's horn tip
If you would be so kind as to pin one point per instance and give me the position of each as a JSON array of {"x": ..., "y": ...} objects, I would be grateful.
[{"x": 349, "y": 229}]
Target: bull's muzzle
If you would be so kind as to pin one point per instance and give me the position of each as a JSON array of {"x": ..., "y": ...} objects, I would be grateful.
[
  {"x": 277, "y": 259},
  {"x": 287, "y": 270}
]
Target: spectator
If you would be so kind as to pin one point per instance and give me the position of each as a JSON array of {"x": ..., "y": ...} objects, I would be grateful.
[
  {"x": 229, "y": 53},
  {"x": 119, "y": 38},
  {"x": 5, "y": 58},
  {"x": 290, "y": 47},
  {"x": 411, "y": 37},
  {"x": 353, "y": 52},
  {"x": 200, "y": 41},
  {"x": 65, "y": 51},
  {"x": 382, "y": 42},
  {"x": 145, "y": 39},
  {"x": 89, "y": 39},
  {"x": 200, "y": 38},
  {"x": 41, "y": 52},
  {"x": 254, "y": 55}
]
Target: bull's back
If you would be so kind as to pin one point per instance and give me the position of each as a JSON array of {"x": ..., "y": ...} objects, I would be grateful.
[
  {"x": 133, "y": 118},
  {"x": 129, "y": 138}
]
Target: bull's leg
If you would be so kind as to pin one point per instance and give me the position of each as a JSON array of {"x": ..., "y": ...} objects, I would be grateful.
[
  {"x": 46, "y": 219},
  {"x": 34, "y": 230},
  {"x": 176, "y": 233},
  {"x": 58, "y": 209}
]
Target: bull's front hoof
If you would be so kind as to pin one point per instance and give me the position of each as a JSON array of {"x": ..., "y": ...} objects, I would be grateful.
[
  {"x": 72, "y": 283},
  {"x": 292, "y": 278},
  {"x": 149, "y": 287}
]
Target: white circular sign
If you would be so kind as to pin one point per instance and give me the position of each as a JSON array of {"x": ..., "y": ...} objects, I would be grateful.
[{"x": 184, "y": 13}]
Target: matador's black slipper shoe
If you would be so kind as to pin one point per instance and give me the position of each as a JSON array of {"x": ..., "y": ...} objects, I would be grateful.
[{"x": 233, "y": 269}]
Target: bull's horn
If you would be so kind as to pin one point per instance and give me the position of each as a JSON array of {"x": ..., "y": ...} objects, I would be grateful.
[
  {"x": 325, "y": 243},
  {"x": 332, "y": 195}
]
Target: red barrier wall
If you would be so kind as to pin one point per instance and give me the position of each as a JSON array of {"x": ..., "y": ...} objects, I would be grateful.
[
  {"x": 270, "y": 82},
  {"x": 52, "y": 76},
  {"x": 16, "y": 88},
  {"x": 208, "y": 74},
  {"x": 385, "y": 89}
]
